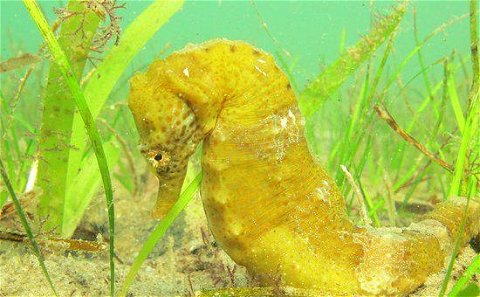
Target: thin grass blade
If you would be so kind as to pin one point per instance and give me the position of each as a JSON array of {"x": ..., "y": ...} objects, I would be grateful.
[
  {"x": 26, "y": 226},
  {"x": 473, "y": 268},
  {"x": 469, "y": 132},
  {"x": 456, "y": 247},
  {"x": 87, "y": 184},
  {"x": 159, "y": 231},
  {"x": 334, "y": 75},
  {"x": 107, "y": 74},
  {"x": 58, "y": 113},
  {"x": 72, "y": 82},
  {"x": 455, "y": 101}
]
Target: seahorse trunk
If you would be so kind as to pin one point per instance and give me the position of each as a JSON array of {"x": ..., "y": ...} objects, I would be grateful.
[{"x": 270, "y": 206}]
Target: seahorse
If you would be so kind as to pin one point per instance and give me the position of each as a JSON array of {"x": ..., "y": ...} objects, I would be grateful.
[{"x": 269, "y": 203}]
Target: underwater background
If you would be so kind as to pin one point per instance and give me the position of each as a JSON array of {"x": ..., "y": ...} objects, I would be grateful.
[
  {"x": 311, "y": 31},
  {"x": 425, "y": 83}
]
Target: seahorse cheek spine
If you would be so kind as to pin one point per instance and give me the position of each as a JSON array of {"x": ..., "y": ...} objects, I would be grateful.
[{"x": 269, "y": 205}]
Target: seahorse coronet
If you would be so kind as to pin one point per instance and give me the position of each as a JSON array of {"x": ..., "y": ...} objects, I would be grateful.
[{"x": 269, "y": 204}]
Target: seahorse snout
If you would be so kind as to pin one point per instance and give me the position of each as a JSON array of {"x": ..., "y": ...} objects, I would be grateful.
[{"x": 168, "y": 192}]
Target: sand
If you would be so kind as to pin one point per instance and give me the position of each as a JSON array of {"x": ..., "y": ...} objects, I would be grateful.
[{"x": 187, "y": 260}]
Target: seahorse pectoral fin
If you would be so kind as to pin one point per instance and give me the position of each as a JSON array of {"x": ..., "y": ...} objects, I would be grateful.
[{"x": 168, "y": 193}]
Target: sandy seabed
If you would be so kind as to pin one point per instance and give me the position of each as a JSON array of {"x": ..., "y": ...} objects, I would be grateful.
[{"x": 185, "y": 261}]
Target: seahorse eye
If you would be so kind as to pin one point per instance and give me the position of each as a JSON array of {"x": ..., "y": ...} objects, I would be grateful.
[{"x": 158, "y": 157}]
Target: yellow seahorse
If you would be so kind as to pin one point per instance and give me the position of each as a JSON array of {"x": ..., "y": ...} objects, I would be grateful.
[{"x": 269, "y": 205}]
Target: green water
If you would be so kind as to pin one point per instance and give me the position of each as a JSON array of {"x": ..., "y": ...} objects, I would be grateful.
[{"x": 311, "y": 31}]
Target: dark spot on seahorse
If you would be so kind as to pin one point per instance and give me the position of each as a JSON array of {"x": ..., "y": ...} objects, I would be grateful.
[
  {"x": 289, "y": 86},
  {"x": 207, "y": 49},
  {"x": 147, "y": 124},
  {"x": 233, "y": 48},
  {"x": 183, "y": 130},
  {"x": 256, "y": 52},
  {"x": 189, "y": 133}
]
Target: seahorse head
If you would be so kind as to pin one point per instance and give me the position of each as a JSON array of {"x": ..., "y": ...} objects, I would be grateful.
[{"x": 169, "y": 134}]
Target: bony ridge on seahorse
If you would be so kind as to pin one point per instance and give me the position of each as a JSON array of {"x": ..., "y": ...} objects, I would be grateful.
[{"x": 269, "y": 205}]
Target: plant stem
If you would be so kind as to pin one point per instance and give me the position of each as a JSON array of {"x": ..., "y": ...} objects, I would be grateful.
[
  {"x": 159, "y": 231},
  {"x": 335, "y": 74},
  {"x": 26, "y": 226},
  {"x": 75, "y": 38},
  {"x": 67, "y": 72},
  {"x": 473, "y": 110},
  {"x": 474, "y": 41}
]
